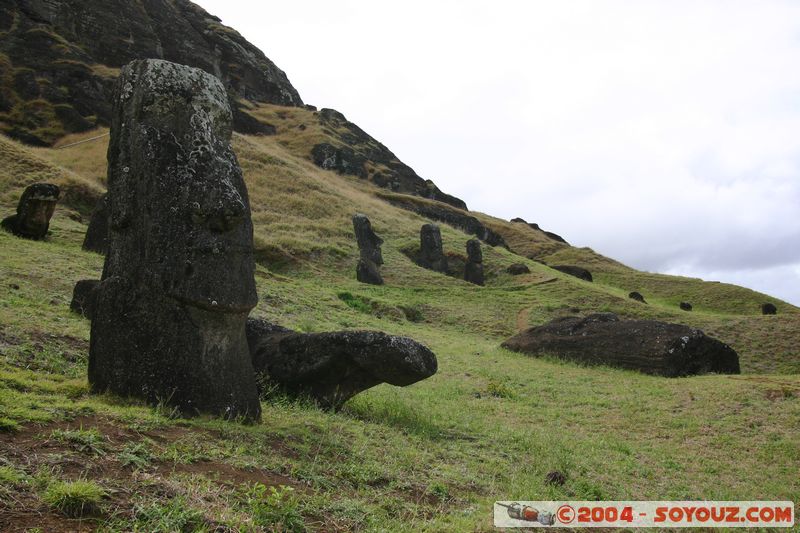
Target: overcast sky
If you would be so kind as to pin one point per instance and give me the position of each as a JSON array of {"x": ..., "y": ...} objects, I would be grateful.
[{"x": 665, "y": 134}]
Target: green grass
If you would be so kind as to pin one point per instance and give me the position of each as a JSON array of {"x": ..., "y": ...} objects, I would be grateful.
[
  {"x": 74, "y": 499},
  {"x": 430, "y": 457}
]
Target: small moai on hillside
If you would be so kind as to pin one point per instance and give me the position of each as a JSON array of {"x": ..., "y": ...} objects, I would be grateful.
[
  {"x": 769, "y": 309},
  {"x": 637, "y": 296},
  {"x": 473, "y": 271},
  {"x": 96, "y": 239},
  {"x": 685, "y": 306},
  {"x": 34, "y": 210},
  {"x": 369, "y": 246},
  {"x": 168, "y": 318},
  {"x": 431, "y": 254}
]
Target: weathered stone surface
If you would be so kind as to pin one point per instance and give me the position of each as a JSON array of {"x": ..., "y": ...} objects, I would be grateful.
[
  {"x": 449, "y": 215},
  {"x": 333, "y": 367},
  {"x": 648, "y": 346},
  {"x": 178, "y": 280},
  {"x": 431, "y": 254},
  {"x": 686, "y": 306},
  {"x": 66, "y": 53},
  {"x": 576, "y": 271},
  {"x": 369, "y": 247},
  {"x": 517, "y": 269},
  {"x": 637, "y": 296},
  {"x": 96, "y": 239},
  {"x": 83, "y": 297},
  {"x": 34, "y": 210},
  {"x": 473, "y": 270},
  {"x": 358, "y": 147},
  {"x": 769, "y": 309}
]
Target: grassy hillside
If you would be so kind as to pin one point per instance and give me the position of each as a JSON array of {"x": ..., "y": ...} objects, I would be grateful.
[{"x": 433, "y": 456}]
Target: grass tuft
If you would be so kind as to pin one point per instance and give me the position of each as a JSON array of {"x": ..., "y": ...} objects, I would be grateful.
[{"x": 75, "y": 499}]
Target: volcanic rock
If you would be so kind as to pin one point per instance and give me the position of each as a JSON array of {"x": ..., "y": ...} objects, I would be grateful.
[
  {"x": 473, "y": 270},
  {"x": 83, "y": 297},
  {"x": 178, "y": 281},
  {"x": 517, "y": 269},
  {"x": 333, "y": 367},
  {"x": 769, "y": 309},
  {"x": 648, "y": 346},
  {"x": 34, "y": 210},
  {"x": 637, "y": 296},
  {"x": 431, "y": 255},
  {"x": 96, "y": 239},
  {"x": 576, "y": 271},
  {"x": 369, "y": 246}
]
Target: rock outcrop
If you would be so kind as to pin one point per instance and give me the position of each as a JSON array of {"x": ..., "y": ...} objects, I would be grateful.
[
  {"x": 518, "y": 269},
  {"x": 66, "y": 54},
  {"x": 331, "y": 368},
  {"x": 576, "y": 271},
  {"x": 769, "y": 309},
  {"x": 473, "y": 270},
  {"x": 178, "y": 282},
  {"x": 431, "y": 254},
  {"x": 34, "y": 210},
  {"x": 358, "y": 148},
  {"x": 369, "y": 247},
  {"x": 96, "y": 239},
  {"x": 648, "y": 346},
  {"x": 637, "y": 296},
  {"x": 549, "y": 234},
  {"x": 456, "y": 218}
]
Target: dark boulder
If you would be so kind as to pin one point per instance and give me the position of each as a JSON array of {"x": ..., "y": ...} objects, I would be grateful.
[
  {"x": 431, "y": 254},
  {"x": 34, "y": 210},
  {"x": 517, "y": 269},
  {"x": 576, "y": 271},
  {"x": 96, "y": 239},
  {"x": 473, "y": 270},
  {"x": 648, "y": 346},
  {"x": 83, "y": 297},
  {"x": 178, "y": 282},
  {"x": 769, "y": 309},
  {"x": 686, "y": 306},
  {"x": 333, "y": 367},
  {"x": 637, "y": 296},
  {"x": 369, "y": 247}
]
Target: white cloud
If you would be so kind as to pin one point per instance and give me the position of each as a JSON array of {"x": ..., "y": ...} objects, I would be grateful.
[{"x": 661, "y": 133}]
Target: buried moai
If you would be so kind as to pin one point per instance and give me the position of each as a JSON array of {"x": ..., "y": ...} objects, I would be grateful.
[
  {"x": 473, "y": 271},
  {"x": 168, "y": 318},
  {"x": 431, "y": 254},
  {"x": 34, "y": 210},
  {"x": 369, "y": 247}
]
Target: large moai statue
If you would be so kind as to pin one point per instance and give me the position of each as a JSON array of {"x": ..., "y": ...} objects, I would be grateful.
[
  {"x": 431, "y": 254},
  {"x": 34, "y": 210},
  {"x": 369, "y": 246},
  {"x": 168, "y": 323},
  {"x": 473, "y": 271}
]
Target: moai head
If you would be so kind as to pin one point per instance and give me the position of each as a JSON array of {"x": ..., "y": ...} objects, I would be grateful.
[
  {"x": 369, "y": 243},
  {"x": 431, "y": 253},
  {"x": 474, "y": 251},
  {"x": 35, "y": 208},
  {"x": 178, "y": 281}
]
